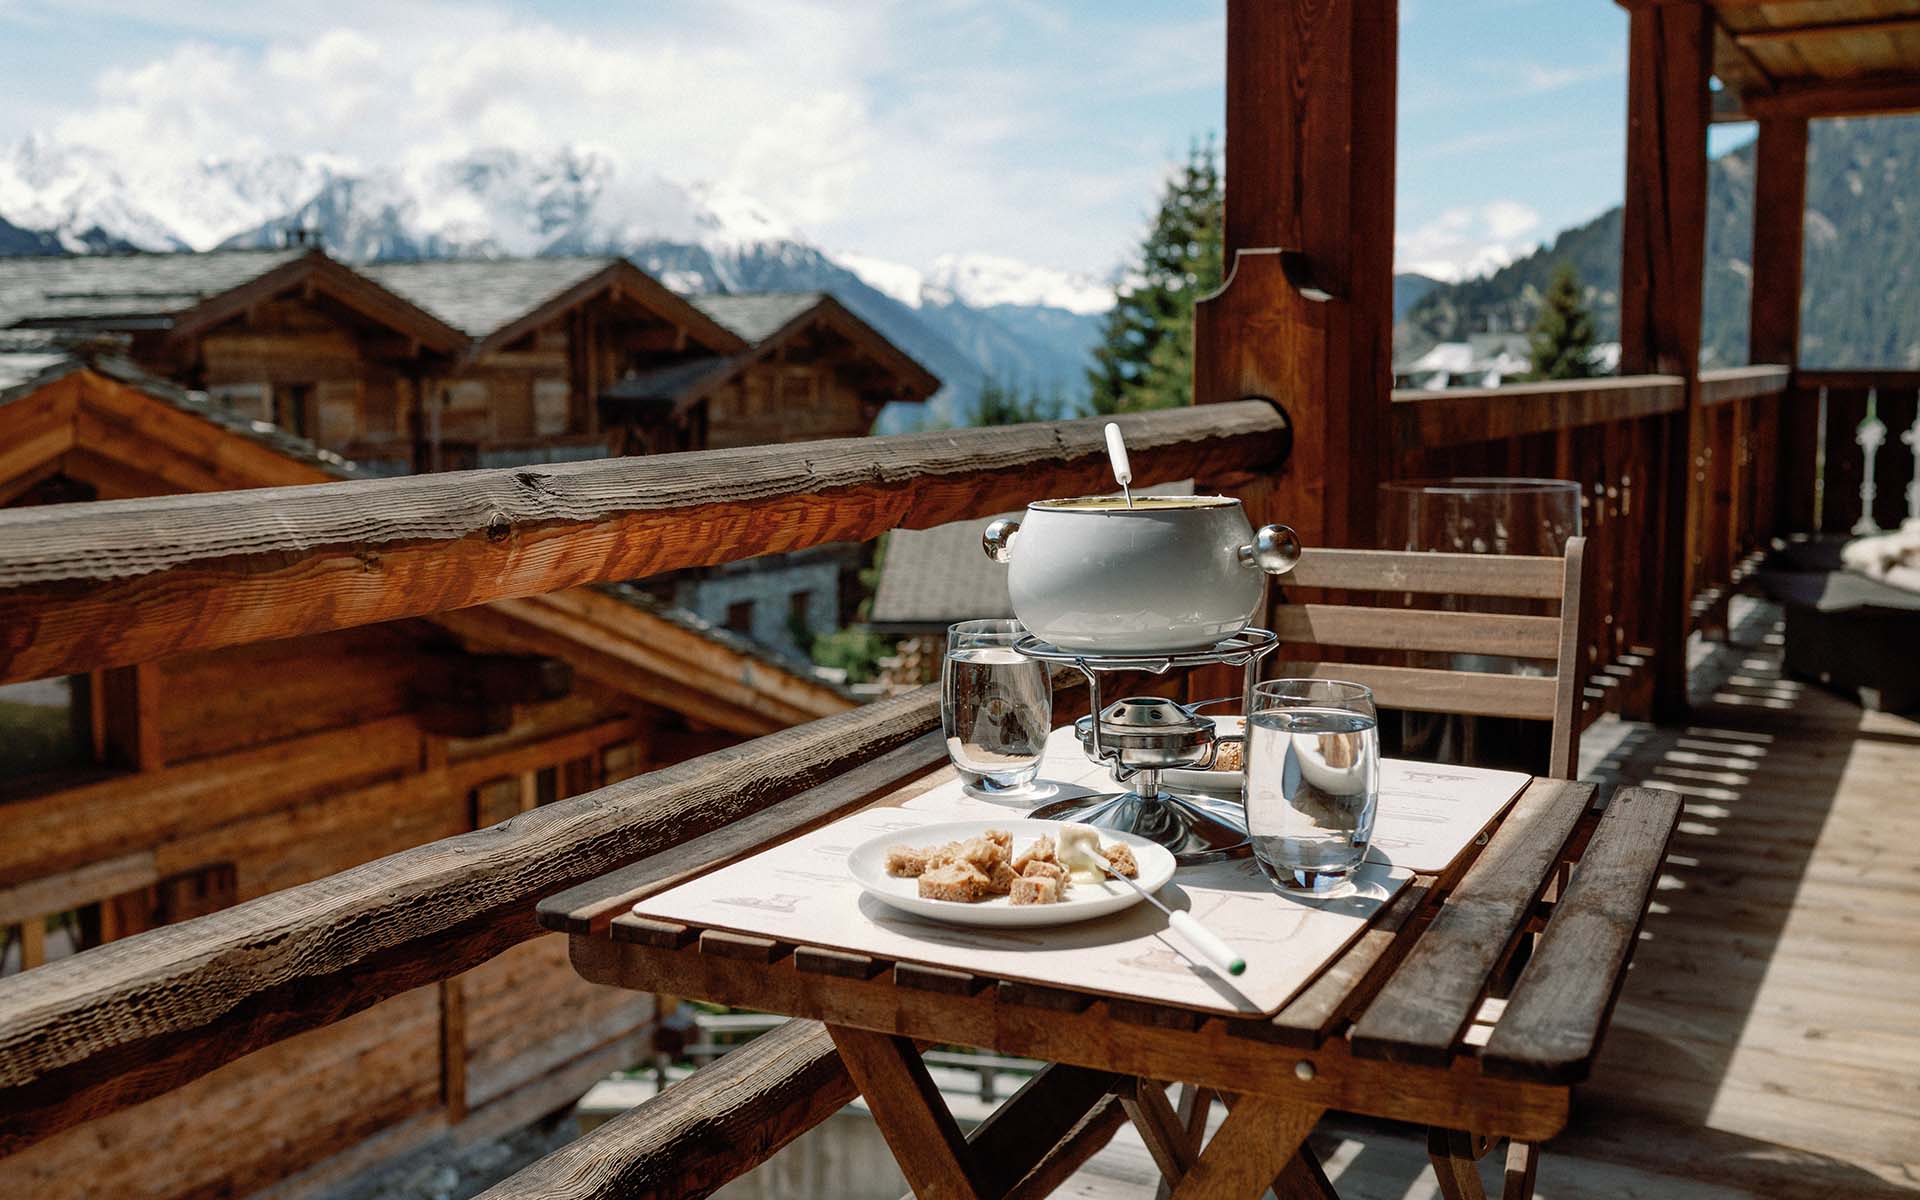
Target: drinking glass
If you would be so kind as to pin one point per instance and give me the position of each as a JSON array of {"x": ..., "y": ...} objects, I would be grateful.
[
  {"x": 1313, "y": 781},
  {"x": 996, "y": 706}
]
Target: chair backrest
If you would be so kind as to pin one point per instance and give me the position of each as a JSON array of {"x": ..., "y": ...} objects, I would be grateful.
[{"x": 1553, "y": 641}]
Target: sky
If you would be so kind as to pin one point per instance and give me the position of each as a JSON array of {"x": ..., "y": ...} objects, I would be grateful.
[{"x": 900, "y": 130}]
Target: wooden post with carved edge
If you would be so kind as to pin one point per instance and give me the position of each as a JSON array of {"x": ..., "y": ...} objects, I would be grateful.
[
  {"x": 1663, "y": 253},
  {"x": 1773, "y": 325},
  {"x": 1305, "y": 317}
]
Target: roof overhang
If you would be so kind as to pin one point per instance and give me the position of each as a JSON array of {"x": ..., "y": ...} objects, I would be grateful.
[
  {"x": 314, "y": 273},
  {"x": 620, "y": 279},
  {"x": 916, "y": 382}
]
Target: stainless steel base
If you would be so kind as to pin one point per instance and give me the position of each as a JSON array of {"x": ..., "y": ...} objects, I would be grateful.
[{"x": 1197, "y": 829}]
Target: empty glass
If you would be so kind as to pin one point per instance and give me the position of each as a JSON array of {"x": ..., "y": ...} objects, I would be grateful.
[
  {"x": 1313, "y": 781},
  {"x": 996, "y": 706}
]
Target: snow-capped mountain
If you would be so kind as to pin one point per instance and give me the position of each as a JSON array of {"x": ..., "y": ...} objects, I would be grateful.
[{"x": 971, "y": 318}]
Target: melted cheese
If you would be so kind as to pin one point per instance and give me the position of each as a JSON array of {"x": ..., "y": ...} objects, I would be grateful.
[{"x": 1079, "y": 847}]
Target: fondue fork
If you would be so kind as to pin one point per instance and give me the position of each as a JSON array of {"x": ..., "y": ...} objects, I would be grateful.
[
  {"x": 1117, "y": 455},
  {"x": 1218, "y": 954}
]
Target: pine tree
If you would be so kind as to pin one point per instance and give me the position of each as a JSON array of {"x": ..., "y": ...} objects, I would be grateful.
[
  {"x": 1561, "y": 342},
  {"x": 1145, "y": 359},
  {"x": 1004, "y": 404}
]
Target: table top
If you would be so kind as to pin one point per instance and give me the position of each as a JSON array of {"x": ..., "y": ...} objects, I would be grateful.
[{"x": 1428, "y": 1015}]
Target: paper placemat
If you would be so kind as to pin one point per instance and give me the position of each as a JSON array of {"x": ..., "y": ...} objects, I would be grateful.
[
  {"x": 801, "y": 892},
  {"x": 1428, "y": 813}
]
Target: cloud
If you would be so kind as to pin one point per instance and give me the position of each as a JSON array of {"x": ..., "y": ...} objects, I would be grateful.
[
  {"x": 1468, "y": 241},
  {"x": 905, "y": 129}
]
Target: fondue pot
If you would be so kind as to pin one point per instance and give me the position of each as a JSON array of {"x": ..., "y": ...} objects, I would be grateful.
[{"x": 1105, "y": 576}]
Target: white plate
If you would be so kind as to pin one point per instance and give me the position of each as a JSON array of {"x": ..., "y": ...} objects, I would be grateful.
[
  {"x": 1213, "y": 783},
  {"x": 1085, "y": 901}
]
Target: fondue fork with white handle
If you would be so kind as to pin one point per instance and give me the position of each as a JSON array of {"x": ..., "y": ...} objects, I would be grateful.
[
  {"x": 1218, "y": 954},
  {"x": 1117, "y": 455}
]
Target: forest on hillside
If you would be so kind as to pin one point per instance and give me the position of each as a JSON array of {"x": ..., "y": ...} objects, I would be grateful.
[{"x": 1862, "y": 244}]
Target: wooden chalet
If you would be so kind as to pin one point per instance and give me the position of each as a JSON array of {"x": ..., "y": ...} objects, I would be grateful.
[
  {"x": 462, "y": 363},
  {"x": 142, "y": 796},
  {"x": 814, "y": 370},
  {"x": 1760, "y": 1046},
  {"x": 285, "y": 336}
]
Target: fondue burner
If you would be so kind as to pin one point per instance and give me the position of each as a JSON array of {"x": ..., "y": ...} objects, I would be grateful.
[{"x": 1141, "y": 736}]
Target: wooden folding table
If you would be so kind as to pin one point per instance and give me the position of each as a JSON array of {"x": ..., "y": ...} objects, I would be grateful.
[{"x": 1415, "y": 1021}]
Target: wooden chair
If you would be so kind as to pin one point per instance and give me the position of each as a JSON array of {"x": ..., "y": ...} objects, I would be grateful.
[{"x": 1550, "y": 640}]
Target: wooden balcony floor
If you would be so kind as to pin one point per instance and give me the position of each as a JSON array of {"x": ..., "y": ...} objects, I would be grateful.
[{"x": 1768, "y": 1041}]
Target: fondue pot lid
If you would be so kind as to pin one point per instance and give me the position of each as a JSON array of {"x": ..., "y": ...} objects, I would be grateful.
[{"x": 1149, "y": 722}]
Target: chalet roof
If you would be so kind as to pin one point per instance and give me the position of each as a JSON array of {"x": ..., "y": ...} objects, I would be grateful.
[
  {"x": 930, "y": 578},
  {"x": 32, "y": 360},
  {"x": 480, "y": 295},
  {"x": 756, "y": 316},
  {"x": 124, "y": 290},
  {"x": 686, "y": 619}
]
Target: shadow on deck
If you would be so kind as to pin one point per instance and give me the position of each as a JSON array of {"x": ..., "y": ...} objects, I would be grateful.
[{"x": 1768, "y": 1041}]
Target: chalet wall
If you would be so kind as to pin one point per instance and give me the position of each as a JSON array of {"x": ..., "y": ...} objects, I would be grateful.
[
  {"x": 251, "y": 1122},
  {"x": 785, "y": 402}
]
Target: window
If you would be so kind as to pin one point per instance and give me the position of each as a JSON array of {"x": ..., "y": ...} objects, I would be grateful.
[
  {"x": 740, "y": 616},
  {"x": 292, "y": 405},
  {"x": 44, "y": 724},
  {"x": 798, "y": 606}
]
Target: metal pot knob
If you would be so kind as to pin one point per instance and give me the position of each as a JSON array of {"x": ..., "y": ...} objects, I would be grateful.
[
  {"x": 997, "y": 541},
  {"x": 1275, "y": 549}
]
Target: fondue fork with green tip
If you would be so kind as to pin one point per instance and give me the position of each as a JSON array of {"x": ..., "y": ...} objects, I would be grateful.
[
  {"x": 1218, "y": 954},
  {"x": 1079, "y": 850}
]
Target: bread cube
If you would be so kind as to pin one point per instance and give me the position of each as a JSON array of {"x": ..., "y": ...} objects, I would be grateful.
[
  {"x": 957, "y": 881},
  {"x": 1121, "y": 856},
  {"x": 905, "y": 862},
  {"x": 1036, "y": 889},
  {"x": 1000, "y": 879},
  {"x": 1040, "y": 851}
]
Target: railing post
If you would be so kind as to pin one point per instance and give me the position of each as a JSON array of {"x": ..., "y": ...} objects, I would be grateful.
[
  {"x": 1305, "y": 318},
  {"x": 1662, "y": 264}
]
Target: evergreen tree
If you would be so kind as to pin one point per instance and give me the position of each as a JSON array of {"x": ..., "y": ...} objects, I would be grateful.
[
  {"x": 1004, "y": 404},
  {"x": 1145, "y": 359},
  {"x": 1562, "y": 338}
]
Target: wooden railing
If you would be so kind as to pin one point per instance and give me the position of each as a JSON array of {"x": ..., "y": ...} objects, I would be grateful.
[
  {"x": 1821, "y": 420},
  {"x": 1610, "y": 435},
  {"x": 89, "y": 586}
]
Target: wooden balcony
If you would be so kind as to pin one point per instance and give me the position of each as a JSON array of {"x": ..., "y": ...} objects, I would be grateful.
[{"x": 1766, "y": 1032}]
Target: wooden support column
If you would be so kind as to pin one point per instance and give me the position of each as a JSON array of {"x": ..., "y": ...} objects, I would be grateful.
[
  {"x": 1773, "y": 323},
  {"x": 1305, "y": 318},
  {"x": 1663, "y": 260},
  {"x": 126, "y": 705}
]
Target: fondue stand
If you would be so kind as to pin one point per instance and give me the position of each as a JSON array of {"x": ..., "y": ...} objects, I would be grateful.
[{"x": 1139, "y": 737}]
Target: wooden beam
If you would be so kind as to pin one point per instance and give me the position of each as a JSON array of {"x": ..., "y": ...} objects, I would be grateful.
[
  {"x": 702, "y": 1132},
  {"x": 130, "y": 717},
  {"x": 1305, "y": 316},
  {"x": 1867, "y": 96},
  {"x": 1424, "y": 419},
  {"x": 1793, "y": 33},
  {"x": 1779, "y": 217},
  {"x": 1727, "y": 384},
  {"x": 93, "y": 585},
  {"x": 130, "y": 1020},
  {"x": 1661, "y": 272}
]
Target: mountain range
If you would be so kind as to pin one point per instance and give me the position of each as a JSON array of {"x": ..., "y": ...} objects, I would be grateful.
[
  {"x": 970, "y": 319},
  {"x": 1861, "y": 259}
]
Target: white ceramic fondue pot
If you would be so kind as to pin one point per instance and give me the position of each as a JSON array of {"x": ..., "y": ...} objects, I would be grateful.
[{"x": 1169, "y": 573}]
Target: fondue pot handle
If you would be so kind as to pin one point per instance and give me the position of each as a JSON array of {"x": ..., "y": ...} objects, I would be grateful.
[
  {"x": 1275, "y": 549},
  {"x": 997, "y": 541}
]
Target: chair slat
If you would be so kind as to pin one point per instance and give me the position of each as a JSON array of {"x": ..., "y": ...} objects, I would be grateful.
[
  {"x": 1551, "y": 1028},
  {"x": 1506, "y": 634},
  {"x": 1420, "y": 1013},
  {"x": 1422, "y": 689},
  {"x": 1520, "y": 576}
]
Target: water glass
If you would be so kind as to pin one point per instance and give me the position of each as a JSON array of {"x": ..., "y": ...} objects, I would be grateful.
[
  {"x": 1313, "y": 781},
  {"x": 996, "y": 706}
]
